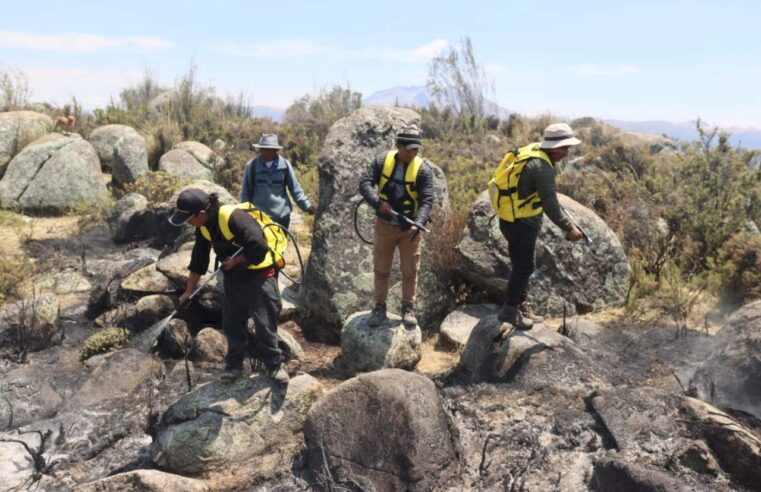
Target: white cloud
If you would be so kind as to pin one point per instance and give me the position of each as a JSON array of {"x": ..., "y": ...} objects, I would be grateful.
[
  {"x": 91, "y": 87},
  {"x": 591, "y": 70},
  {"x": 296, "y": 48},
  {"x": 78, "y": 42}
]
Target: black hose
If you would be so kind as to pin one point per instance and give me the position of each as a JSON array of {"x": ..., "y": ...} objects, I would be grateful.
[
  {"x": 356, "y": 222},
  {"x": 298, "y": 254}
]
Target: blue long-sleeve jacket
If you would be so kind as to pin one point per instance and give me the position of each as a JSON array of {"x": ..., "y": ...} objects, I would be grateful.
[{"x": 266, "y": 188}]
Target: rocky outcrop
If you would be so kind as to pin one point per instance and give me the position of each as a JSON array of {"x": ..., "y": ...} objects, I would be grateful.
[
  {"x": 390, "y": 345},
  {"x": 191, "y": 160},
  {"x": 132, "y": 220},
  {"x": 144, "y": 481},
  {"x": 385, "y": 430},
  {"x": 731, "y": 375},
  {"x": 222, "y": 424},
  {"x": 31, "y": 324},
  {"x": 339, "y": 278},
  {"x": 579, "y": 275},
  {"x": 122, "y": 150},
  {"x": 17, "y": 129},
  {"x": 53, "y": 174}
]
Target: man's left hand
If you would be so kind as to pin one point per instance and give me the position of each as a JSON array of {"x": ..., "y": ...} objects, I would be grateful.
[{"x": 311, "y": 210}]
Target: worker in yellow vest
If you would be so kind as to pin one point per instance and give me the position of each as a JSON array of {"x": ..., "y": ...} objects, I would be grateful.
[
  {"x": 402, "y": 182},
  {"x": 250, "y": 280},
  {"x": 522, "y": 190}
]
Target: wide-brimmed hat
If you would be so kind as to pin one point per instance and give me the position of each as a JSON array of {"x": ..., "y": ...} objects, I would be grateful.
[
  {"x": 268, "y": 141},
  {"x": 410, "y": 138},
  {"x": 558, "y": 135},
  {"x": 190, "y": 202}
]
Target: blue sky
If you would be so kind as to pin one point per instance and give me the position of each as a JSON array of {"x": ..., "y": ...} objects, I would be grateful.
[{"x": 645, "y": 60}]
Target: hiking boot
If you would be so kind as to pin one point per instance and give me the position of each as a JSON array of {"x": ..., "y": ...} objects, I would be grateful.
[
  {"x": 528, "y": 312},
  {"x": 408, "y": 316},
  {"x": 279, "y": 375},
  {"x": 514, "y": 316},
  {"x": 378, "y": 315},
  {"x": 232, "y": 373}
]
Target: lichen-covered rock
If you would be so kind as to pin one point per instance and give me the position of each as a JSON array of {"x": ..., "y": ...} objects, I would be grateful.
[
  {"x": 132, "y": 219},
  {"x": 386, "y": 429},
  {"x": 210, "y": 345},
  {"x": 339, "y": 278},
  {"x": 148, "y": 280},
  {"x": 578, "y": 275},
  {"x": 53, "y": 173},
  {"x": 390, "y": 345},
  {"x": 17, "y": 129},
  {"x": 221, "y": 424},
  {"x": 458, "y": 326},
  {"x": 191, "y": 160},
  {"x": 122, "y": 150}
]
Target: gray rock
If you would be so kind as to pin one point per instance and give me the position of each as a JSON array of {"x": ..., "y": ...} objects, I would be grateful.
[
  {"x": 293, "y": 348},
  {"x": 53, "y": 173},
  {"x": 209, "y": 345},
  {"x": 65, "y": 282},
  {"x": 582, "y": 276},
  {"x": 736, "y": 447},
  {"x": 615, "y": 474},
  {"x": 132, "y": 219},
  {"x": 121, "y": 149},
  {"x": 697, "y": 456},
  {"x": 27, "y": 396},
  {"x": 390, "y": 345},
  {"x": 458, "y": 325},
  {"x": 386, "y": 430},
  {"x": 731, "y": 375},
  {"x": 755, "y": 161},
  {"x": 144, "y": 481},
  {"x": 16, "y": 466},
  {"x": 17, "y": 129},
  {"x": 582, "y": 331},
  {"x": 31, "y": 324},
  {"x": 148, "y": 280},
  {"x": 221, "y": 424},
  {"x": 191, "y": 160},
  {"x": 174, "y": 339},
  {"x": 175, "y": 267},
  {"x": 339, "y": 276},
  {"x": 151, "y": 309}
]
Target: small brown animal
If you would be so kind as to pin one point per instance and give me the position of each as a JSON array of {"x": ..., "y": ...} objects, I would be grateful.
[{"x": 65, "y": 123}]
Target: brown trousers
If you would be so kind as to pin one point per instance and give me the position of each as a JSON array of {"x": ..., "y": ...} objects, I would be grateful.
[{"x": 387, "y": 239}]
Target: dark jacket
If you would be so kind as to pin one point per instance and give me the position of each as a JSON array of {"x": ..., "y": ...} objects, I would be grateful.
[
  {"x": 246, "y": 231},
  {"x": 539, "y": 176},
  {"x": 368, "y": 188}
]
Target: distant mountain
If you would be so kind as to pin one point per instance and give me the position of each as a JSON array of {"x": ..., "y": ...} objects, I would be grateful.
[
  {"x": 746, "y": 137},
  {"x": 416, "y": 96},
  {"x": 276, "y": 114}
]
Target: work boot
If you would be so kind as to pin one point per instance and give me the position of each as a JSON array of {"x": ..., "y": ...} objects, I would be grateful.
[
  {"x": 231, "y": 373},
  {"x": 408, "y": 315},
  {"x": 279, "y": 375},
  {"x": 378, "y": 315},
  {"x": 513, "y": 315},
  {"x": 528, "y": 312}
]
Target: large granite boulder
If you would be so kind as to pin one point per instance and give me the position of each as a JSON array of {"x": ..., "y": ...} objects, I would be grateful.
[
  {"x": 221, "y": 424},
  {"x": 384, "y": 430},
  {"x": 53, "y": 173},
  {"x": 132, "y": 220},
  {"x": 390, "y": 345},
  {"x": 17, "y": 129},
  {"x": 731, "y": 375},
  {"x": 191, "y": 160},
  {"x": 122, "y": 150},
  {"x": 579, "y": 275},
  {"x": 339, "y": 276}
]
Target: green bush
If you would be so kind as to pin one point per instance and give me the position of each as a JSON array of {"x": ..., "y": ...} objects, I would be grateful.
[
  {"x": 103, "y": 341},
  {"x": 740, "y": 266}
]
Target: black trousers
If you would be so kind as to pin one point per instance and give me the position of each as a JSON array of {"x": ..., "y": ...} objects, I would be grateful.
[
  {"x": 521, "y": 243},
  {"x": 250, "y": 294}
]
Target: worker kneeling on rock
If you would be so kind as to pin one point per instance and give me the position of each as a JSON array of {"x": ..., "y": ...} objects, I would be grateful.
[{"x": 250, "y": 281}]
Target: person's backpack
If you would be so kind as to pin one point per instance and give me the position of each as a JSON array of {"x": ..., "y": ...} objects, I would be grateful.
[{"x": 503, "y": 187}]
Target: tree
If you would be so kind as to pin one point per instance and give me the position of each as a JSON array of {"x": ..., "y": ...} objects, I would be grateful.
[
  {"x": 321, "y": 111},
  {"x": 457, "y": 80}
]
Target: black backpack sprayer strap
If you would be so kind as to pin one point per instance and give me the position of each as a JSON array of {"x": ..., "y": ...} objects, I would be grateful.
[{"x": 145, "y": 340}]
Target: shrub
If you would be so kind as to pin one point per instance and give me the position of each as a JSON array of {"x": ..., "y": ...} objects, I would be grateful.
[
  {"x": 14, "y": 271},
  {"x": 103, "y": 341},
  {"x": 92, "y": 214},
  {"x": 740, "y": 269},
  {"x": 156, "y": 186}
]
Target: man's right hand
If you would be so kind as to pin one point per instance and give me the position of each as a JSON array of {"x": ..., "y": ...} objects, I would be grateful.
[
  {"x": 384, "y": 208},
  {"x": 573, "y": 234}
]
